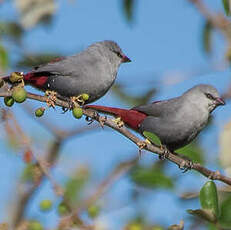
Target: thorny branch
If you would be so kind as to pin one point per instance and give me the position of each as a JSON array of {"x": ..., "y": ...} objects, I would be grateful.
[{"x": 178, "y": 160}]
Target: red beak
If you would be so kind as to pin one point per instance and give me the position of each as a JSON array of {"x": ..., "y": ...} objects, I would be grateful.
[
  {"x": 125, "y": 59},
  {"x": 220, "y": 101}
]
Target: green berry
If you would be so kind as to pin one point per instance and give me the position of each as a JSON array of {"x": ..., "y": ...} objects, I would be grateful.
[
  {"x": 45, "y": 205},
  {"x": 9, "y": 101},
  {"x": 19, "y": 94},
  {"x": 77, "y": 112},
  {"x": 35, "y": 225},
  {"x": 85, "y": 96},
  {"x": 15, "y": 77},
  {"x": 39, "y": 112},
  {"x": 93, "y": 211},
  {"x": 62, "y": 209}
]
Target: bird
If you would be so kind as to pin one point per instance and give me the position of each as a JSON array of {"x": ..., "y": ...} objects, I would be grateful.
[
  {"x": 92, "y": 71},
  {"x": 176, "y": 121}
]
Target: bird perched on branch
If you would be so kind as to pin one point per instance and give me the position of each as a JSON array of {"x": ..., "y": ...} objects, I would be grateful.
[
  {"x": 177, "y": 121},
  {"x": 92, "y": 72}
]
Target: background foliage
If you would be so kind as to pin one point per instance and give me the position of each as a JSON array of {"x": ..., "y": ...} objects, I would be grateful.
[{"x": 55, "y": 165}]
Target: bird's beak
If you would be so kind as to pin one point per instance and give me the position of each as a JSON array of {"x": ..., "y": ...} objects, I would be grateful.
[
  {"x": 125, "y": 59},
  {"x": 219, "y": 101}
]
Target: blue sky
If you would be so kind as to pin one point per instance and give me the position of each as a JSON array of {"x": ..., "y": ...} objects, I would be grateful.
[{"x": 165, "y": 39}]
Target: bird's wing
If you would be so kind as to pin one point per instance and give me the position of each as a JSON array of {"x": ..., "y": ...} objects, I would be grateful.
[
  {"x": 72, "y": 65},
  {"x": 160, "y": 108}
]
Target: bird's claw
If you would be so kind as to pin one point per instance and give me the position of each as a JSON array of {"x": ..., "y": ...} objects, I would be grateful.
[
  {"x": 77, "y": 101},
  {"x": 102, "y": 120},
  {"x": 89, "y": 120},
  {"x": 186, "y": 165},
  {"x": 118, "y": 122},
  {"x": 64, "y": 110},
  {"x": 142, "y": 145},
  {"x": 74, "y": 103},
  {"x": 51, "y": 98},
  {"x": 96, "y": 116},
  {"x": 165, "y": 153}
]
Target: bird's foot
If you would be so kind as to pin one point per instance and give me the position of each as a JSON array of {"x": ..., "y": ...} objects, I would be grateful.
[
  {"x": 142, "y": 145},
  {"x": 165, "y": 153},
  {"x": 51, "y": 98},
  {"x": 118, "y": 122},
  {"x": 64, "y": 110},
  {"x": 74, "y": 103},
  {"x": 186, "y": 165},
  {"x": 80, "y": 99},
  {"x": 102, "y": 120},
  {"x": 96, "y": 116}
]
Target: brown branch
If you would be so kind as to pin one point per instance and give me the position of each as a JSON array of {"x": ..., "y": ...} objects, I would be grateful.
[
  {"x": 178, "y": 160},
  {"x": 219, "y": 21},
  {"x": 44, "y": 166},
  {"x": 120, "y": 170}
]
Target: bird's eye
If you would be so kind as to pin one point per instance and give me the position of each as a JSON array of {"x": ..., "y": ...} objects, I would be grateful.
[
  {"x": 209, "y": 96},
  {"x": 119, "y": 54}
]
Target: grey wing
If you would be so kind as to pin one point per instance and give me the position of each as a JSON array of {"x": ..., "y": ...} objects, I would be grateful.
[
  {"x": 70, "y": 66},
  {"x": 160, "y": 108}
]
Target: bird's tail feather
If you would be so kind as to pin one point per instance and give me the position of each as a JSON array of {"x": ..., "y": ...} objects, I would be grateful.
[
  {"x": 130, "y": 117},
  {"x": 107, "y": 110}
]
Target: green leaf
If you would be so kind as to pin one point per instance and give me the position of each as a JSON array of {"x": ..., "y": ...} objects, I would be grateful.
[
  {"x": 207, "y": 37},
  {"x": 11, "y": 30},
  {"x": 226, "y": 7},
  {"x": 3, "y": 58},
  {"x": 193, "y": 151},
  {"x": 128, "y": 9},
  {"x": 75, "y": 185},
  {"x": 225, "y": 217},
  {"x": 209, "y": 198},
  {"x": 152, "y": 137},
  {"x": 212, "y": 226},
  {"x": 150, "y": 177},
  {"x": 28, "y": 172},
  {"x": 203, "y": 214}
]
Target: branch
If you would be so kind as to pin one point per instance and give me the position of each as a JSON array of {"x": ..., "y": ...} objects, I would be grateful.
[
  {"x": 178, "y": 160},
  {"x": 119, "y": 170}
]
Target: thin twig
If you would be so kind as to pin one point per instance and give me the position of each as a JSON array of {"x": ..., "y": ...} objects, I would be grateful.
[{"x": 214, "y": 175}]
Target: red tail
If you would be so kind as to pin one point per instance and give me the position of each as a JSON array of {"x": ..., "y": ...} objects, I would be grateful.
[
  {"x": 131, "y": 117},
  {"x": 35, "y": 80}
]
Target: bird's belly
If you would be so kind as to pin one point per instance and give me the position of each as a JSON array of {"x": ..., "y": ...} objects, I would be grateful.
[
  {"x": 66, "y": 86},
  {"x": 174, "y": 134}
]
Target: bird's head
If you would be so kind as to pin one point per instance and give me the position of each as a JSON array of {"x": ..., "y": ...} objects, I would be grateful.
[
  {"x": 206, "y": 96},
  {"x": 111, "y": 50}
]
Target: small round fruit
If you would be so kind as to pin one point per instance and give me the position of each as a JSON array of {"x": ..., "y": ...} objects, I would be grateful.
[
  {"x": 77, "y": 112},
  {"x": 45, "y": 205},
  {"x": 39, "y": 112},
  {"x": 62, "y": 209},
  {"x": 15, "y": 77},
  {"x": 93, "y": 211},
  {"x": 35, "y": 225},
  {"x": 85, "y": 96},
  {"x": 9, "y": 101},
  {"x": 19, "y": 94}
]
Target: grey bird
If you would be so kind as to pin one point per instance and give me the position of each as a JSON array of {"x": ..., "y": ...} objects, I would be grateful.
[
  {"x": 176, "y": 121},
  {"x": 92, "y": 71}
]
